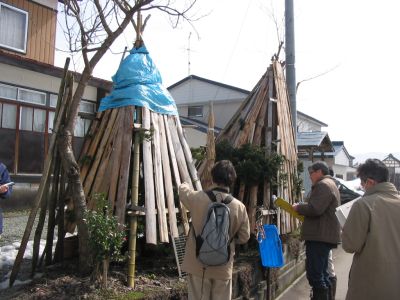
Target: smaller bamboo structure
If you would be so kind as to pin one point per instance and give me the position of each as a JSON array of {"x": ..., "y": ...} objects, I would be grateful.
[
  {"x": 264, "y": 120},
  {"x": 205, "y": 169}
]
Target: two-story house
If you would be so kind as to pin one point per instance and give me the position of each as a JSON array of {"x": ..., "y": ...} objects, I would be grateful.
[{"x": 29, "y": 85}]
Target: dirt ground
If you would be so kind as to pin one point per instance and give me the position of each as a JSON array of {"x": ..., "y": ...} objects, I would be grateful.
[{"x": 156, "y": 278}]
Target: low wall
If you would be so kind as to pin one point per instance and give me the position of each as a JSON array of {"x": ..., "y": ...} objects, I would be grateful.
[
  {"x": 250, "y": 279},
  {"x": 22, "y": 196}
]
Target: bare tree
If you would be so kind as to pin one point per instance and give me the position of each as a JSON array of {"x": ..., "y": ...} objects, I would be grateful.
[{"x": 91, "y": 27}]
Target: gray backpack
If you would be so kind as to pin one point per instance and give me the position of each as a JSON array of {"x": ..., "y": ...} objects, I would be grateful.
[{"x": 213, "y": 244}]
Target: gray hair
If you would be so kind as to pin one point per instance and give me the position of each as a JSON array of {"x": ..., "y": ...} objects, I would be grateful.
[{"x": 319, "y": 165}]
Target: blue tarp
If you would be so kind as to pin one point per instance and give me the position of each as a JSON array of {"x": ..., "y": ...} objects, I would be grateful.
[{"x": 138, "y": 82}]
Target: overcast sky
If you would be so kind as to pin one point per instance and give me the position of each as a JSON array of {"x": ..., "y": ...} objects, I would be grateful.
[{"x": 356, "y": 42}]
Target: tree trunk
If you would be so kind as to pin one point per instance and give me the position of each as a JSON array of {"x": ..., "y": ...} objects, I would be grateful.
[{"x": 78, "y": 196}]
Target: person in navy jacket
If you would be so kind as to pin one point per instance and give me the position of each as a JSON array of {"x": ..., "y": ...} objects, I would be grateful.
[{"x": 5, "y": 191}]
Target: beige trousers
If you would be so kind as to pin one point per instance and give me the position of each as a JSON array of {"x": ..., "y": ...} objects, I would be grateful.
[{"x": 208, "y": 289}]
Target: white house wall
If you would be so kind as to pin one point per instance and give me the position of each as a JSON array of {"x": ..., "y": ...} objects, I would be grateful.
[
  {"x": 35, "y": 80},
  {"x": 195, "y": 138},
  {"x": 195, "y": 92},
  {"x": 341, "y": 158},
  {"x": 307, "y": 125}
]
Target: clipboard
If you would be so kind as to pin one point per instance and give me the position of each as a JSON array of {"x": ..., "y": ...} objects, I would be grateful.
[{"x": 286, "y": 206}]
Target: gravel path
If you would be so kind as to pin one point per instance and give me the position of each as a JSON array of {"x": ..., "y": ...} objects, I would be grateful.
[{"x": 14, "y": 224}]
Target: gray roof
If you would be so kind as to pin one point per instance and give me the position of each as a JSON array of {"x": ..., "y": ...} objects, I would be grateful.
[
  {"x": 315, "y": 140},
  {"x": 201, "y": 126}
]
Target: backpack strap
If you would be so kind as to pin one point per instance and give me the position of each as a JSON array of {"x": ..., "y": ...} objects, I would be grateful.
[{"x": 212, "y": 197}]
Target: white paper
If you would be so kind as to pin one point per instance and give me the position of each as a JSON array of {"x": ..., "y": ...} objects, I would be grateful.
[{"x": 343, "y": 211}]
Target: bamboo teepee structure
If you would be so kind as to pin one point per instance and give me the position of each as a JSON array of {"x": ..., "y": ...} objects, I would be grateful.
[
  {"x": 133, "y": 121},
  {"x": 264, "y": 120}
]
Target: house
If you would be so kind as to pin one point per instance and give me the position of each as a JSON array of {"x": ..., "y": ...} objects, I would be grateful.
[
  {"x": 193, "y": 95},
  {"x": 29, "y": 84},
  {"x": 393, "y": 165}
]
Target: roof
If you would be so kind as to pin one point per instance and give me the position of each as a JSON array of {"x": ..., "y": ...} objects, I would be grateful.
[
  {"x": 195, "y": 77},
  {"x": 201, "y": 126},
  {"x": 208, "y": 81},
  {"x": 315, "y": 141},
  {"x": 299, "y": 113},
  {"x": 392, "y": 158},
  {"x": 337, "y": 147}
]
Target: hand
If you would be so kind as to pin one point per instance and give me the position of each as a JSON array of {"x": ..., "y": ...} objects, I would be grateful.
[
  {"x": 295, "y": 206},
  {"x": 3, "y": 189}
]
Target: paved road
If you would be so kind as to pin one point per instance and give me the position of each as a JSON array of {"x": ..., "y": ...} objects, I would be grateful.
[{"x": 300, "y": 290}]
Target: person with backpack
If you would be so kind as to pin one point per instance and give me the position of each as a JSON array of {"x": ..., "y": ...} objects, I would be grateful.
[{"x": 219, "y": 221}]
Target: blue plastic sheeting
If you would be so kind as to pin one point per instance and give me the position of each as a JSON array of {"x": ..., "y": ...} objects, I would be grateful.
[{"x": 138, "y": 82}]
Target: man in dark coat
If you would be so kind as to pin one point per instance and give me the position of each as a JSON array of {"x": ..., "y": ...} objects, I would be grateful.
[{"x": 321, "y": 229}]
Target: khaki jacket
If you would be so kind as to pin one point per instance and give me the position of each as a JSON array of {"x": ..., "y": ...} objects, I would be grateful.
[
  {"x": 372, "y": 233},
  {"x": 320, "y": 222},
  {"x": 197, "y": 203}
]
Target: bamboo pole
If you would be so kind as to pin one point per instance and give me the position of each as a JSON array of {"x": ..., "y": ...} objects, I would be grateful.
[
  {"x": 43, "y": 182},
  {"x": 169, "y": 192},
  {"x": 134, "y": 201},
  {"x": 52, "y": 211},
  {"x": 151, "y": 226},
  {"x": 176, "y": 174},
  {"x": 158, "y": 180},
  {"x": 188, "y": 156}
]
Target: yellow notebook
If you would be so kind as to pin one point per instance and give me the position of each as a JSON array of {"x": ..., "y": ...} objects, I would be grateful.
[{"x": 286, "y": 206}]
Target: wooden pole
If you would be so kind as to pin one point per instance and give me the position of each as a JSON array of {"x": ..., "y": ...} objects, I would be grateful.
[
  {"x": 43, "y": 182},
  {"x": 151, "y": 223}
]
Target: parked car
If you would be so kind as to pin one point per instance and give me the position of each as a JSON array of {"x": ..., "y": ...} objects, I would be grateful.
[{"x": 349, "y": 190}]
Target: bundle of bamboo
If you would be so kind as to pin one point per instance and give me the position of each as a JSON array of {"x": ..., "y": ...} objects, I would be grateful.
[
  {"x": 107, "y": 164},
  {"x": 264, "y": 120}
]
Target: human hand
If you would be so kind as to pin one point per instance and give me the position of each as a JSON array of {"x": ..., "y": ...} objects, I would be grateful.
[
  {"x": 295, "y": 206},
  {"x": 3, "y": 189}
]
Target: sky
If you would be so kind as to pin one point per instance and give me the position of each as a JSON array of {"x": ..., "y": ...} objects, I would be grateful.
[{"x": 349, "y": 48}]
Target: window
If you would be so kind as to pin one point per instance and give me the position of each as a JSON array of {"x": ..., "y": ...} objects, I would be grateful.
[
  {"x": 8, "y": 116},
  {"x": 53, "y": 100},
  {"x": 32, "y": 119},
  {"x": 13, "y": 28},
  {"x": 195, "y": 111},
  {"x": 82, "y": 126},
  {"x": 8, "y": 92},
  {"x": 31, "y": 96},
  {"x": 87, "y": 107}
]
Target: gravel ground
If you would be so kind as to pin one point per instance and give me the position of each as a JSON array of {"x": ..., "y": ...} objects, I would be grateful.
[{"x": 14, "y": 224}]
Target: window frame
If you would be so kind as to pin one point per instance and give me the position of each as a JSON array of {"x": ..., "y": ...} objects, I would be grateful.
[
  {"x": 25, "y": 41},
  {"x": 198, "y": 115}
]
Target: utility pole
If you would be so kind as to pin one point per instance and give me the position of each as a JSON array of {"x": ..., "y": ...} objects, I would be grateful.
[
  {"x": 290, "y": 61},
  {"x": 188, "y": 53}
]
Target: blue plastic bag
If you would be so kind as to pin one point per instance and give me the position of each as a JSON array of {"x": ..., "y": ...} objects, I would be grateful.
[{"x": 270, "y": 247}]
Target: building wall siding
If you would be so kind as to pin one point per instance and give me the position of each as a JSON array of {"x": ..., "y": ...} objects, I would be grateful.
[
  {"x": 42, "y": 23},
  {"x": 36, "y": 80}
]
